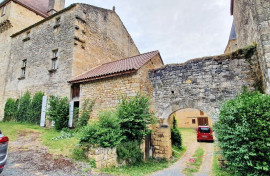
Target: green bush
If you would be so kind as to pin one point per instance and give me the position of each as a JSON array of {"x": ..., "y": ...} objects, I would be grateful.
[
  {"x": 86, "y": 110},
  {"x": 23, "y": 107},
  {"x": 176, "y": 135},
  {"x": 34, "y": 111},
  {"x": 10, "y": 110},
  {"x": 104, "y": 133},
  {"x": 130, "y": 152},
  {"x": 134, "y": 114},
  {"x": 243, "y": 133},
  {"x": 59, "y": 111}
]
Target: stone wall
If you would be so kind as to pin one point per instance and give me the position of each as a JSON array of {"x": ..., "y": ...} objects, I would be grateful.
[
  {"x": 161, "y": 140},
  {"x": 85, "y": 37},
  {"x": 107, "y": 92},
  {"x": 202, "y": 84},
  {"x": 16, "y": 15},
  {"x": 102, "y": 38},
  {"x": 104, "y": 157},
  {"x": 252, "y": 22}
]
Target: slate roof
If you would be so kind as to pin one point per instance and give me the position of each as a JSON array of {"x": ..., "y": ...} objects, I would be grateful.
[
  {"x": 38, "y": 6},
  {"x": 120, "y": 67}
]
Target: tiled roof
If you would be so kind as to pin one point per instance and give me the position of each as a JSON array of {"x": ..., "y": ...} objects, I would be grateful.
[
  {"x": 38, "y": 6},
  {"x": 120, "y": 67}
]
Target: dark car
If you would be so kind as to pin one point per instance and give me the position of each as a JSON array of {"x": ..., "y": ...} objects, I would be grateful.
[
  {"x": 204, "y": 133},
  {"x": 3, "y": 151}
]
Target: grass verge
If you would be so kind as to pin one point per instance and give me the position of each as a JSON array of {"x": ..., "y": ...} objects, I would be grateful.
[
  {"x": 218, "y": 171},
  {"x": 146, "y": 167},
  {"x": 194, "y": 167},
  {"x": 63, "y": 146}
]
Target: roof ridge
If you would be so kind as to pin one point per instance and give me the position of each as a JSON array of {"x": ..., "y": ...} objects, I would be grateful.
[{"x": 129, "y": 57}]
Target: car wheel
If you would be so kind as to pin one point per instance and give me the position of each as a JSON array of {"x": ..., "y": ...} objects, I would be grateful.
[
  {"x": 198, "y": 140},
  {"x": 1, "y": 170}
]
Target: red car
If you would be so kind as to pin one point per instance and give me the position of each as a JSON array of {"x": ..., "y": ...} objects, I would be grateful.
[
  {"x": 3, "y": 151},
  {"x": 204, "y": 133}
]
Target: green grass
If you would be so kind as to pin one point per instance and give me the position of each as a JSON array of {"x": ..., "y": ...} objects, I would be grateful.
[
  {"x": 145, "y": 168},
  {"x": 62, "y": 146},
  {"x": 217, "y": 170},
  {"x": 195, "y": 166}
]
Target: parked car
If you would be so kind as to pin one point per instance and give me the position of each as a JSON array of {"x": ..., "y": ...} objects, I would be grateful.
[
  {"x": 3, "y": 151},
  {"x": 204, "y": 133}
]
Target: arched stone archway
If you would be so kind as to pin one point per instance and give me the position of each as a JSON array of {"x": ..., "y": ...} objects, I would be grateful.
[
  {"x": 176, "y": 105},
  {"x": 203, "y": 84}
]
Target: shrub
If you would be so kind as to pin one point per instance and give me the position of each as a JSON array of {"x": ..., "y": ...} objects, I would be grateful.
[
  {"x": 130, "y": 152},
  {"x": 59, "y": 111},
  {"x": 34, "y": 111},
  {"x": 176, "y": 135},
  {"x": 23, "y": 107},
  {"x": 135, "y": 116},
  {"x": 86, "y": 110},
  {"x": 243, "y": 133},
  {"x": 103, "y": 133},
  {"x": 10, "y": 110}
]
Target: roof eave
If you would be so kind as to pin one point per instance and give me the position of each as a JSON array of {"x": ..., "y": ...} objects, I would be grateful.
[{"x": 102, "y": 77}]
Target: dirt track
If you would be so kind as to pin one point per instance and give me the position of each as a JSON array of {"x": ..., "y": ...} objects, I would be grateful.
[{"x": 27, "y": 157}]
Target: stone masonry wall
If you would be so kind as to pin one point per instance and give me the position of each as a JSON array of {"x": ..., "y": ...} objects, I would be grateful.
[
  {"x": 37, "y": 49},
  {"x": 104, "y": 157},
  {"x": 107, "y": 92},
  {"x": 252, "y": 22},
  {"x": 16, "y": 14},
  {"x": 202, "y": 84},
  {"x": 103, "y": 38}
]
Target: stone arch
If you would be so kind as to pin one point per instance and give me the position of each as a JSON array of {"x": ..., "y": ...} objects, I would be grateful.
[{"x": 179, "y": 104}]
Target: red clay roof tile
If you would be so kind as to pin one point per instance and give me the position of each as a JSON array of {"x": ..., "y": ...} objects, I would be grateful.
[
  {"x": 120, "y": 67},
  {"x": 40, "y": 6}
]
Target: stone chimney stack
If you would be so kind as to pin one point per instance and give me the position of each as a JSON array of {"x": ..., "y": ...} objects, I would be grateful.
[{"x": 55, "y": 6}]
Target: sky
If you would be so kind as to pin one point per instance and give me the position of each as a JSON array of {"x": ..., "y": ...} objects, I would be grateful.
[{"x": 180, "y": 29}]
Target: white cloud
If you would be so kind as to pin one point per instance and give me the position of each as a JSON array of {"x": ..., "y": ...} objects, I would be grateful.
[{"x": 180, "y": 29}]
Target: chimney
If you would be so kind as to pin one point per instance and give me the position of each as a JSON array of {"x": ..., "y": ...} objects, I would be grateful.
[{"x": 55, "y": 6}]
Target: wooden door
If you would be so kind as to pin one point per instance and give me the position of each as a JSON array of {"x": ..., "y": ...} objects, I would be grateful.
[{"x": 202, "y": 121}]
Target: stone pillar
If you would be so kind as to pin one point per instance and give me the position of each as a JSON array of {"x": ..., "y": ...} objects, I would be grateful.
[{"x": 162, "y": 142}]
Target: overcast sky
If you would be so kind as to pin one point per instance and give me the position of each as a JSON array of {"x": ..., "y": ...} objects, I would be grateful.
[{"x": 179, "y": 29}]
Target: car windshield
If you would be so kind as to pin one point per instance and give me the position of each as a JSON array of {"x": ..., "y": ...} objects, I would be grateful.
[{"x": 204, "y": 130}]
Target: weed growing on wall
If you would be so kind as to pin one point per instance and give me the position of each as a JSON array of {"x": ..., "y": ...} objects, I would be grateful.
[
  {"x": 244, "y": 134},
  {"x": 59, "y": 111},
  {"x": 86, "y": 110},
  {"x": 176, "y": 135}
]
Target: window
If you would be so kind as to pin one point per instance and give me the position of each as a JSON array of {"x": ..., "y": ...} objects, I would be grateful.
[
  {"x": 58, "y": 21},
  {"x": 4, "y": 10},
  {"x": 193, "y": 121},
  {"x": 204, "y": 130},
  {"x": 54, "y": 60},
  {"x": 55, "y": 53},
  {"x": 23, "y": 69}
]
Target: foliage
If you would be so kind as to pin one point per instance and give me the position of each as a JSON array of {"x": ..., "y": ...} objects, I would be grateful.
[
  {"x": 86, "y": 110},
  {"x": 130, "y": 152},
  {"x": 92, "y": 163},
  {"x": 104, "y": 133},
  {"x": 244, "y": 134},
  {"x": 135, "y": 116},
  {"x": 176, "y": 135},
  {"x": 79, "y": 153},
  {"x": 23, "y": 107},
  {"x": 65, "y": 134},
  {"x": 10, "y": 110},
  {"x": 59, "y": 111},
  {"x": 34, "y": 111}
]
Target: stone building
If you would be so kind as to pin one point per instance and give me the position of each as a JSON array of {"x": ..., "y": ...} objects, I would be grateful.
[
  {"x": 252, "y": 26},
  {"x": 57, "y": 45}
]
